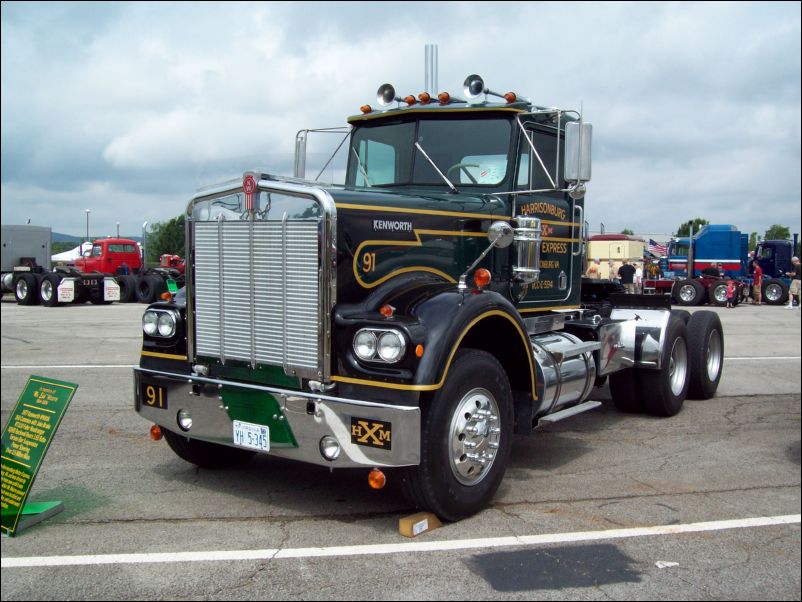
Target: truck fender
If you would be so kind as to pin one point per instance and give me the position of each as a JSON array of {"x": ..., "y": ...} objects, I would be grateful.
[{"x": 485, "y": 321}]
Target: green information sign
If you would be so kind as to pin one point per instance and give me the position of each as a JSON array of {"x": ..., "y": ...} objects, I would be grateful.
[{"x": 26, "y": 438}]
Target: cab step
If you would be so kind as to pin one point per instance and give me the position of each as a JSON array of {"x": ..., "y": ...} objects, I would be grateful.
[{"x": 568, "y": 412}]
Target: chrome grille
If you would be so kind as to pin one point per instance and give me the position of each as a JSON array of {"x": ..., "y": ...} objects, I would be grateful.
[{"x": 257, "y": 296}]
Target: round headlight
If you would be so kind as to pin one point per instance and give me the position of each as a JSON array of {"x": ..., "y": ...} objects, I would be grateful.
[
  {"x": 166, "y": 324},
  {"x": 391, "y": 346},
  {"x": 184, "y": 420},
  {"x": 365, "y": 344},
  {"x": 150, "y": 323},
  {"x": 329, "y": 448}
]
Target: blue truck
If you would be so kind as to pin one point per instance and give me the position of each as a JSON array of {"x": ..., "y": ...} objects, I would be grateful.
[{"x": 726, "y": 246}]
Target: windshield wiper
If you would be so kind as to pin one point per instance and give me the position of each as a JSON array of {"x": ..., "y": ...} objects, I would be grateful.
[
  {"x": 420, "y": 148},
  {"x": 362, "y": 169}
]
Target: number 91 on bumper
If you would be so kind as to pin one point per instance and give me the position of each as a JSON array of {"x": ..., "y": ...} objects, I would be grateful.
[{"x": 252, "y": 436}]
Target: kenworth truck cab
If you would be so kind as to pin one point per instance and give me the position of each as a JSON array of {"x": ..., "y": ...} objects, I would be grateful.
[{"x": 416, "y": 317}]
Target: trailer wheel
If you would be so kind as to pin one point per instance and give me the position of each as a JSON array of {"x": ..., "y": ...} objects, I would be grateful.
[
  {"x": 663, "y": 391},
  {"x": 688, "y": 292},
  {"x": 205, "y": 454},
  {"x": 128, "y": 286},
  {"x": 466, "y": 437},
  {"x": 624, "y": 391},
  {"x": 48, "y": 289},
  {"x": 149, "y": 289},
  {"x": 717, "y": 293},
  {"x": 706, "y": 352},
  {"x": 775, "y": 292},
  {"x": 26, "y": 290}
]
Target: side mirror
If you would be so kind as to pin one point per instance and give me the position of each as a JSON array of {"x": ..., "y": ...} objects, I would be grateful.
[{"x": 578, "y": 138}]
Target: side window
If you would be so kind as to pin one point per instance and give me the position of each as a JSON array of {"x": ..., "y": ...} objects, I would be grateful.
[
  {"x": 97, "y": 251},
  {"x": 530, "y": 172}
]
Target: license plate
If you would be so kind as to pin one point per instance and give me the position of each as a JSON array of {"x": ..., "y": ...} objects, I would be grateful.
[
  {"x": 154, "y": 396},
  {"x": 252, "y": 436}
]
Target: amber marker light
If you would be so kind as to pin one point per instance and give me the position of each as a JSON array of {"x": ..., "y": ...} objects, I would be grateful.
[
  {"x": 365, "y": 109},
  {"x": 419, "y": 351},
  {"x": 387, "y": 311},
  {"x": 156, "y": 432},
  {"x": 424, "y": 98},
  {"x": 481, "y": 278},
  {"x": 410, "y": 100},
  {"x": 376, "y": 479},
  {"x": 166, "y": 296},
  {"x": 510, "y": 97},
  {"x": 444, "y": 98}
]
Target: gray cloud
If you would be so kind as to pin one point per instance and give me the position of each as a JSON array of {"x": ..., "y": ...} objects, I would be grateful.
[{"x": 127, "y": 108}]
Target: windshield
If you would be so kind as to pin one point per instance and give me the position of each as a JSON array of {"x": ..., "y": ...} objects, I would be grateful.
[{"x": 468, "y": 151}]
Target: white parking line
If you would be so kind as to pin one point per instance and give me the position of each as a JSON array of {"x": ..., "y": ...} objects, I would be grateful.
[{"x": 397, "y": 548}]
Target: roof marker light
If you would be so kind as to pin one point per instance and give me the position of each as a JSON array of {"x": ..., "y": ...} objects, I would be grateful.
[
  {"x": 410, "y": 100},
  {"x": 366, "y": 109},
  {"x": 424, "y": 98},
  {"x": 444, "y": 98}
]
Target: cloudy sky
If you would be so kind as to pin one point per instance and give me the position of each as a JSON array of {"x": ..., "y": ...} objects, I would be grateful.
[{"x": 127, "y": 108}]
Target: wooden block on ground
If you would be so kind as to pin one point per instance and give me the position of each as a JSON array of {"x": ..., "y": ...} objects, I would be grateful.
[{"x": 412, "y": 526}]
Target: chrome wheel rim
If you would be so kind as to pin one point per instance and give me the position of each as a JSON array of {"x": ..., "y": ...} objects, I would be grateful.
[
  {"x": 474, "y": 438},
  {"x": 22, "y": 289},
  {"x": 46, "y": 291},
  {"x": 678, "y": 366},
  {"x": 687, "y": 293},
  {"x": 720, "y": 293},
  {"x": 773, "y": 292},
  {"x": 714, "y": 353}
]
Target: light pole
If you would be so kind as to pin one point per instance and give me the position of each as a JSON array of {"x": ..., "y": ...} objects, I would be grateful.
[
  {"x": 118, "y": 229},
  {"x": 144, "y": 248},
  {"x": 87, "y": 224}
]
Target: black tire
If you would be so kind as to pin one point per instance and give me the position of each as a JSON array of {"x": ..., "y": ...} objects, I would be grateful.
[
  {"x": 447, "y": 482},
  {"x": 48, "y": 289},
  {"x": 682, "y": 314},
  {"x": 717, "y": 293},
  {"x": 625, "y": 392},
  {"x": 688, "y": 293},
  {"x": 26, "y": 290},
  {"x": 128, "y": 285},
  {"x": 706, "y": 354},
  {"x": 204, "y": 454},
  {"x": 149, "y": 289},
  {"x": 664, "y": 391},
  {"x": 775, "y": 292},
  {"x": 96, "y": 296}
]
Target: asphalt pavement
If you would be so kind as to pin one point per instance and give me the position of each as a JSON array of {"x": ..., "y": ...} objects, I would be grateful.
[{"x": 704, "y": 505}]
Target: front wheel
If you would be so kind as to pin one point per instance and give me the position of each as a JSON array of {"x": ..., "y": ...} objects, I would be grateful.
[
  {"x": 775, "y": 292},
  {"x": 466, "y": 436}
]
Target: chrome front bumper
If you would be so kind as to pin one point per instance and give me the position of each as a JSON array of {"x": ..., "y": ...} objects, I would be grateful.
[{"x": 369, "y": 433}]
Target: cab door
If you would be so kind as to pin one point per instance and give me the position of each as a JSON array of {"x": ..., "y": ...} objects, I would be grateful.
[{"x": 562, "y": 248}]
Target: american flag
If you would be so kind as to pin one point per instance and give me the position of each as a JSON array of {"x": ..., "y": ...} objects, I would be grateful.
[{"x": 657, "y": 249}]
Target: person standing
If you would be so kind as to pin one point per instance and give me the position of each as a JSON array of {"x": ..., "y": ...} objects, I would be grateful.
[
  {"x": 638, "y": 277},
  {"x": 594, "y": 270},
  {"x": 613, "y": 272},
  {"x": 730, "y": 292},
  {"x": 626, "y": 274},
  {"x": 757, "y": 283},
  {"x": 796, "y": 284}
]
